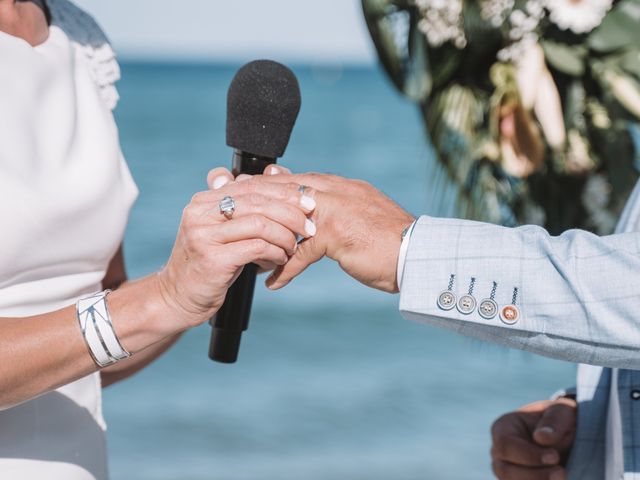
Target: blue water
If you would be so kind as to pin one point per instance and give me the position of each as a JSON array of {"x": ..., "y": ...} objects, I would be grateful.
[{"x": 332, "y": 383}]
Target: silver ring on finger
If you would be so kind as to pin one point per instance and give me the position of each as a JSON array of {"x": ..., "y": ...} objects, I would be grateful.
[{"x": 227, "y": 206}]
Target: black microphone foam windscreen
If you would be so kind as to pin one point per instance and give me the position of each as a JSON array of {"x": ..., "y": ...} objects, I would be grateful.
[{"x": 262, "y": 106}]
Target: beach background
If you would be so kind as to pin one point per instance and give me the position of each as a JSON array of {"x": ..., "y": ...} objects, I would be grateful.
[{"x": 331, "y": 383}]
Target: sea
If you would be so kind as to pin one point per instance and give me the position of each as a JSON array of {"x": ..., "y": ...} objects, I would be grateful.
[{"x": 331, "y": 383}]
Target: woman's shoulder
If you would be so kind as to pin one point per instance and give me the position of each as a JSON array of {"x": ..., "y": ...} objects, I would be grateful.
[{"x": 87, "y": 35}]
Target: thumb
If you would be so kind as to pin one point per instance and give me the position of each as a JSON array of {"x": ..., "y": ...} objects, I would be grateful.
[
  {"x": 557, "y": 422},
  {"x": 308, "y": 252}
]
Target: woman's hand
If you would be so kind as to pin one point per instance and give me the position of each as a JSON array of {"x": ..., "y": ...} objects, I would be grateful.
[
  {"x": 48, "y": 350},
  {"x": 211, "y": 249}
]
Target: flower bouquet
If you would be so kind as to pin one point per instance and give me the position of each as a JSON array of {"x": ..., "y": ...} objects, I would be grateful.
[{"x": 531, "y": 105}]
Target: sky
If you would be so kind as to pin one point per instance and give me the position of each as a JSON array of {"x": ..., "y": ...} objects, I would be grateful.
[{"x": 314, "y": 31}]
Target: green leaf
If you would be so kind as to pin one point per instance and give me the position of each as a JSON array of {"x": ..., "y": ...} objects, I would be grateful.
[
  {"x": 619, "y": 29},
  {"x": 569, "y": 59},
  {"x": 630, "y": 62}
]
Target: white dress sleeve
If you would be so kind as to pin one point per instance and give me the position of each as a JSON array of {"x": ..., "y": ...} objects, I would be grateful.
[{"x": 87, "y": 36}]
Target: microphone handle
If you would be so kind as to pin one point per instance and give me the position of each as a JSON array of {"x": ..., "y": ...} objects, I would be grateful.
[{"x": 233, "y": 317}]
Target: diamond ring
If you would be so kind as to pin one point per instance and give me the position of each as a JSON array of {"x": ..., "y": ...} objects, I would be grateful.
[{"x": 227, "y": 206}]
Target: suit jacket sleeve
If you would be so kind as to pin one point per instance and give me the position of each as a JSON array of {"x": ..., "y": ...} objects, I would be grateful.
[{"x": 578, "y": 294}]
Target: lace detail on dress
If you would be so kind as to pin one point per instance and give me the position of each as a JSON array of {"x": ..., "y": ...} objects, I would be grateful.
[{"x": 88, "y": 38}]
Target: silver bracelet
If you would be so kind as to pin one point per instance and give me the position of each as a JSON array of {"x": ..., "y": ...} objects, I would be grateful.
[{"x": 97, "y": 330}]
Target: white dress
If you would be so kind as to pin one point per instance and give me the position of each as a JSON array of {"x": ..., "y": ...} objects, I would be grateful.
[{"x": 65, "y": 195}]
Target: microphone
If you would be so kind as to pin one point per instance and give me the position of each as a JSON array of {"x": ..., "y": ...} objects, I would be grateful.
[{"x": 262, "y": 106}]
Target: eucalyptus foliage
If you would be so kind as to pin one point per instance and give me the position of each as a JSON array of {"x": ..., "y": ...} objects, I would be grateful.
[{"x": 464, "y": 63}]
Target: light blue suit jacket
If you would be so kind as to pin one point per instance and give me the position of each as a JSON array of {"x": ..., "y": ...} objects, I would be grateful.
[{"x": 577, "y": 299}]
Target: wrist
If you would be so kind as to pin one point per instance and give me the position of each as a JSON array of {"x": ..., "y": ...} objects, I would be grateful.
[{"x": 143, "y": 315}]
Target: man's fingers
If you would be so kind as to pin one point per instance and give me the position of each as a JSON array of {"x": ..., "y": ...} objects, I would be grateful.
[
  {"x": 558, "y": 423},
  {"x": 508, "y": 471},
  {"x": 522, "y": 451},
  {"x": 306, "y": 254}
]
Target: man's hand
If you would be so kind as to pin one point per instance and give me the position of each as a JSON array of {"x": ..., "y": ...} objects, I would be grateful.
[
  {"x": 357, "y": 226},
  {"x": 534, "y": 442}
]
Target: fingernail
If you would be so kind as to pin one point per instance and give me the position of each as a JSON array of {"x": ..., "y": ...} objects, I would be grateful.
[
  {"x": 557, "y": 475},
  {"x": 274, "y": 171},
  {"x": 550, "y": 458},
  {"x": 546, "y": 430},
  {"x": 270, "y": 281},
  {"x": 218, "y": 182},
  {"x": 309, "y": 227},
  {"x": 307, "y": 202}
]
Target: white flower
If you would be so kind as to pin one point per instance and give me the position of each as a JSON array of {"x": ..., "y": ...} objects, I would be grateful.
[
  {"x": 442, "y": 22},
  {"x": 522, "y": 30},
  {"x": 579, "y": 16},
  {"x": 496, "y": 11}
]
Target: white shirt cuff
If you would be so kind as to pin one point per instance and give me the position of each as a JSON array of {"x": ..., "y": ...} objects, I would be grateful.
[{"x": 404, "y": 246}]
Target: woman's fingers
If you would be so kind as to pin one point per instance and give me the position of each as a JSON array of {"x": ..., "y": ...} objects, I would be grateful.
[
  {"x": 255, "y": 250},
  {"x": 254, "y": 226},
  {"x": 222, "y": 183},
  {"x": 266, "y": 267},
  {"x": 290, "y": 216},
  {"x": 276, "y": 169},
  {"x": 286, "y": 215},
  {"x": 290, "y": 193},
  {"x": 218, "y": 178}
]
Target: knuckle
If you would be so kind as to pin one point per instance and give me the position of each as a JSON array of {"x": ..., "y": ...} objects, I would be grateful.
[
  {"x": 189, "y": 216},
  {"x": 255, "y": 199},
  {"x": 290, "y": 190},
  {"x": 258, "y": 223},
  {"x": 498, "y": 424},
  {"x": 258, "y": 246},
  {"x": 281, "y": 257},
  {"x": 251, "y": 186},
  {"x": 362, "y": 184},
  {"x": 197, "y": 197},
  {"x": 193, "y": 238}
]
